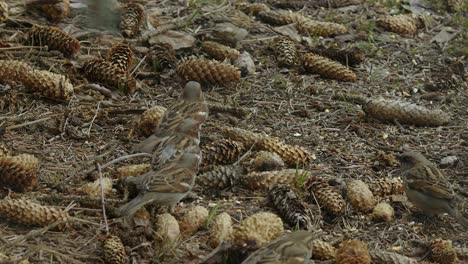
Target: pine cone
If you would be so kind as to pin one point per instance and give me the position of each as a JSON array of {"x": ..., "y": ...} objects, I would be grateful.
[
  {"x": 351, "y": 57},
  {"x": 224, "y": 151},
  {"x": 55, "y": 39},
  {"x": 353, "y": 252},
  {"x": 101, "y": 71},
  {"x": 207, "y": 71},
  {"x": 162, "y": 56},
  {"x": 219, "y": 51},
  {"x": 19, "y": 172},
  {"x": 131, "y": 19},
  {"x": 252, "y": 8},
  {"x": 4, "y": 151},
  {"x": 292, "y": 155},
  {"x": 291, "y": 4},
  {"x": 247, "y": 137},
  {"x": 30, "y": 213},
  {"x": 132, "y": 170},
  {"x": 318, "y": 28},
  {"x": 48, "y": 84},
  {"x": 386, "y": 186},
  {"x": 405, "y": 113},
  {"x": 264, "y": 179},
  {"x": 221, "y": 229},
  {"x": 3, "y": 11},
  {"x": 94, "y": 188},
  {"x": 221, "y": 177},
  {"x": 280, "y": 17},
  {"x": 193, "y": 219},
  {"x": 56, "y": 12},
  {"x": 290, "y": 206},
  {"x": 337, "y": 3},
  {"x": 267, "y": 161},
  {"x": 443, "y": 252},
  {"x": 453, "y": 5},
  {"x": 260, "y": 228},
  {"x": 360, "y": 197},
  {"x": 326, "y": 196},
  {"x": 151, "y": 119},
  {"x": 285, "y": 51},
  {"x": 400, "y": 24},
  {"x": 121, "y": 56},
  {"x": 322, "y": 250},
  {"x": 167, "y": 227},
  {"x": 383, "y": 212},
  {"x": 114, "y": 250},
  {"x": 386, "y": 257},
  {"x": 327, "y": 68}
]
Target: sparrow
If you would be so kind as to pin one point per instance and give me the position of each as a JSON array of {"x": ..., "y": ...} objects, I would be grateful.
[
  {"x": 176, "y": 153},
  {"x": 293, "y": 248},
  {"x": 427, "y": 188}
]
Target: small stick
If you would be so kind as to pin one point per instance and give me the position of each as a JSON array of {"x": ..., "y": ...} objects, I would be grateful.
[
  {"x": 101, "y": 89},
  {"x": 27, "y": 123},
  {"x": 44, "y": 48},
  {"x": 94, "y": 118},
  {"x": 102, "y": 197}
]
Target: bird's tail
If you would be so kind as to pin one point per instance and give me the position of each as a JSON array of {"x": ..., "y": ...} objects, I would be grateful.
[
  {"x": 131, "y": 207},
  {"x": 459, "y": 217}
]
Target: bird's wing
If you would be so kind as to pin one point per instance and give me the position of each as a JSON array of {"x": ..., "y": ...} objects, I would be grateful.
[{"x": 428, "y": 179}]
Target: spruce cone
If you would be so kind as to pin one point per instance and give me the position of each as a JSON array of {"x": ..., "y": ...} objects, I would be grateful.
[
  {"x": 337, "y": 3},
  {"x": 400, "y": 24},
  {"x": 290, "y": 206},
  {"x": 132, "y": 170},
  {"x": 94, "y": 188},
  {"x": 30, "y": 213},
  {"x": 121, "y": 56},
  {"x": 207, "y": 71},
  {"x": 267, "y": 161},
  {"x": 19, "y": 172},
  {"x": 162, "y": 56},
  {"x": 285, "y": 51},
  {"x": 291, "y": 4},
  {"x": 224, "y": 151},
  {"x": 103, "y": 72},
  {"x": 55, "y": 39},
  {"x": 443, "y": 252},
  {"x": 56, "y": 12},
  {"x": 151, "y": 118},
  {"x": 326, "y": 196},
  {"x": 349, "y": 58},
  {"x": 453, "y": 5},
  {"x": 252, "y": 8},
  {"x": 360, "y": 197},
  {"x": 167, "y": 228},
  {"x": 132, "y": 19},
  {"x": 386, "y": 257},
  {"x": 405, "y": 113},
  {"x": 280, "y": 17},
  {"x": 193, "y": 219},
  {"x": 114, "y": 250},
  {"x": 322, "y": 250},
  {"x": 219, "y": 51},
  {"x": 383, "y": 212},
  {"x": 318, "y": 28},
  {"x": 3, "y": 11},
  {"x": 247, "y": 137},
  {"x": 291, "y": 155},
  {"x": 353, "y": 252},
  {"x": 260, "y": 228},
  {"x": 221, "y": 229},
  {"x": 221, "y": 177},
  {"x": 386, "y": 186},
  {"x": 327, "y": 68},
  {"x": 264, "y": 179}
]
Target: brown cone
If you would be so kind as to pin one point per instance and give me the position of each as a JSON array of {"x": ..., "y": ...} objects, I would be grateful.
[
  {"x": 280, "y": 17},
  {"x": 55, "y": 39},
  {"x": 4, "y": 151},
  {"x": 386, "y": 186},
  {"x": 381, "y": 256},
  {"x": 219, "y": 51},
  {"x": 48, "y": 84},
  {"x": 103, "y": 72},
  {"x": 350, "y": 57},
  {"x": 132, "y": 19},
  {"x": 353, "y": 252},
  {"x": 30, "y": 213},
  {"x": 291, "y": 4},
  {"x": 252, "y": 8},
  {"x": 247, "y": 137},
  {"x": 327, "y": 68},
  {"x": 404, "y": 113},
  {"x": 162, "y": 56},
  {"x": 318, "y": 28},
  {"x": 114, "y": 250},
  {"x": 292, "y": 155},
  {"x": 285, "y": 51},
  {"x": 151, "y": 118},
  {"x": 56, "y": 12},
  {"x": 267, "y": 161},
  {"x": 221, "y": 177},
  {"x": 132, "y": 170},
  {"x": 121, "y": 56},
  {"x": 3, "y": 11},
  {"x": 443, "y": 252},
  {"x": 453, "y": 5},
  {"x": 290, "y": 206},
  {"x": 322, "y": 250},
  {"x": 19, "y": 172},
  {"x": 224, "y": 151},
  {"x": 400, "y": 24},
  {"x": 337, "y": 3},
  {"x": 326, "y": 196},
  {"x": 207, "y": 71},
  {"x": 359, "y": 195},
  {"x": 264, "y": 179}
]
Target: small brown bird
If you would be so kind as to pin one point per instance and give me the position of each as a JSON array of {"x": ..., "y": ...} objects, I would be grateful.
[
  {"x": 294, "y": 248},
  {"x": 176, "y": 153},
  {"x": 427, "y": 188}
]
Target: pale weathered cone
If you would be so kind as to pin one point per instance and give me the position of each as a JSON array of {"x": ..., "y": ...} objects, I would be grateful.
[
  {"x": 114, "y": 250},
  {"x": 252, "y": 8},
  {"x": 264, "y": 179},
  {"x": 443, "y": 252},
  {"x": 194, "y": 218},
  {"x": 322, "y": 250},
  {"x": 383, "y": 212},
  {"x": 353, "y": 252},
  {"x": 318, "y": 28},
  {"x": 267, "y": 161},
  {"x": 151, "y": 119},
  {"x": 94, "y": 188},
  {"x": 386, "y": 186},
  {"x": 167, "y": 227},
  {"x": 280, "y": 17},
  {"x": 220, "y": 229},
  {"x": 132, "y": 170},
  {"x": 360, "y": 197},
  {"x": 400, "y": 24},
  {"x": 386, "y": 257},
  {"x": 260, "y": 228}
]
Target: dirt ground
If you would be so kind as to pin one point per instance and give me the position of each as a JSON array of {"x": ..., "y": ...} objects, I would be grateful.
[{"x": 299, "y": 107}]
